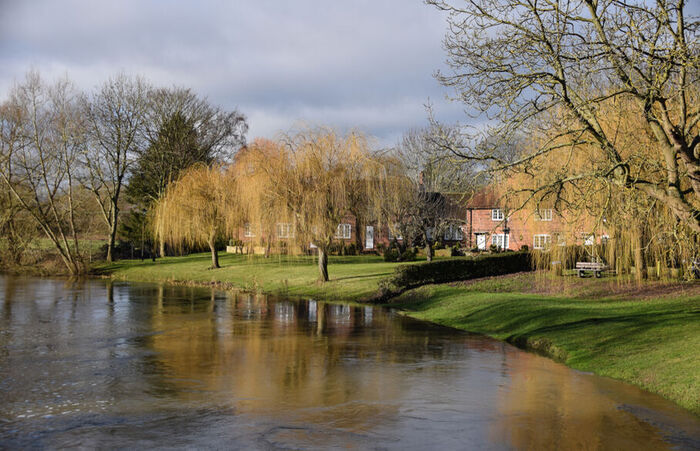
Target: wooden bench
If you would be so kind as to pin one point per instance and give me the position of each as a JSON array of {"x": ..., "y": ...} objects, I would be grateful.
[{"x": 596, "y": 268}]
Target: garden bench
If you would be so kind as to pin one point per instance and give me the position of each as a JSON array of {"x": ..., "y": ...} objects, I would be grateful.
[{"x": 596, "y": 268}]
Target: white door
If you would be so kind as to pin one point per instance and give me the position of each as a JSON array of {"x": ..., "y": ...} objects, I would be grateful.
[
  {"x": 369, "y": 237},
  {"x": 481, "y": 241}
]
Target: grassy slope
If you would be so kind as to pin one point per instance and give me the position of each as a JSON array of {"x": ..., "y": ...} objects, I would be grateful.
[
  {"x": 653, "y": 343},
  {"x": 351, "y": 278}
]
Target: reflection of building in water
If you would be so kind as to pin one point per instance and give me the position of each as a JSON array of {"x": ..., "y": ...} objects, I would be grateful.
[
  {"x": 284, "y": 313},
  {"x": 368, "y": 312},
  {"x": 313, "y": 305}
]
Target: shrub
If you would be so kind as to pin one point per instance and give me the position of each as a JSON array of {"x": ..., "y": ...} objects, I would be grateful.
[
  {"x": 442, "y": 271},
  {"x": 455, "y": 251},
  {"x": 409, "y": 255},
  {"x": 391, "y": 255}
]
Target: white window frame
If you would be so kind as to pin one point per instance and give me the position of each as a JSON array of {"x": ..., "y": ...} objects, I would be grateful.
[
  {"x": 497, "y": 214},
  {"x": 500, "y": 240},
  {"x": 544, "y": 214},
  {"x": 453, "y": 233},
  {"x": 248, "y": 230},
  {"x": 545, "y": 238},
  {"x": 285, "y": 230},
  {"x": 390, "y": 234},
  {"x": 344, "y": 231}
]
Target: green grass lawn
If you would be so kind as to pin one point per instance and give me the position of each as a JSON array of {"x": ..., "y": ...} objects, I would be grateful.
[
  {"x": 651, "y": 342},
  {"x": 351, "y": 278}
]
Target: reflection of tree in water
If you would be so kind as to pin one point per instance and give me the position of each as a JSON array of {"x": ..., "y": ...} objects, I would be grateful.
[
  {"x": 586, "y": 417},
  {"x": 260, "y": 354}
]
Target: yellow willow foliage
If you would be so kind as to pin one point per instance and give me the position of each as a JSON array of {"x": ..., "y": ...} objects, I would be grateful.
[
  {"x": 199, "y": 207},
  {"x": 643, "y": 235},
  {"x": 306, "y": 184}
]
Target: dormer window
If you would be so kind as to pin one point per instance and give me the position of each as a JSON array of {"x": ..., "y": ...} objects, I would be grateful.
[{"x": 497, "y": 214}]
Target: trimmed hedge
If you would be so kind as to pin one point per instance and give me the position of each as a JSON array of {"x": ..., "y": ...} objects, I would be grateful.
[{"x": 454, "y": 269}]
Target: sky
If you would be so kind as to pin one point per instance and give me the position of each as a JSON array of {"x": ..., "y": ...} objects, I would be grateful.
[{"x": 360, "y": 64}]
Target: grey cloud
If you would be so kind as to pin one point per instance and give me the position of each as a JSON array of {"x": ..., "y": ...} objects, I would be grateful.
[{"x": 365, "y": 64}]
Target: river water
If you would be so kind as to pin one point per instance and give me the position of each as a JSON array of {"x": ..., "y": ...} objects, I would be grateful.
[{"x": 96, "y": 364}]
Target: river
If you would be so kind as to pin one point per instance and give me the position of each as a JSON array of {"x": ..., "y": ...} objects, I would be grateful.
[{"x": 100, "y": 364}]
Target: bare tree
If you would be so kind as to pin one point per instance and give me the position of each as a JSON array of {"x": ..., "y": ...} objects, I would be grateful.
[
  {"x": 431, "y": 181},
  {"x": 115, "y": 115},
  {"x": 557, "y": 68},
  {"x": 42, "y": 136}
]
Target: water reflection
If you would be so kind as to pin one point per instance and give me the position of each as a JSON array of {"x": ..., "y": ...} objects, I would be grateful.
[{"x": 97, "y": 363}]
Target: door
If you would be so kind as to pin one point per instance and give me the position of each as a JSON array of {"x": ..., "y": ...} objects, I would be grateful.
[
  {"x": 481, "y": 241},
  {"x": 369, "y": 237}
]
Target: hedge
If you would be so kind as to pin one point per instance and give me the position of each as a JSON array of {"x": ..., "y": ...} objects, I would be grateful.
[{"x": 454, "y": 269}]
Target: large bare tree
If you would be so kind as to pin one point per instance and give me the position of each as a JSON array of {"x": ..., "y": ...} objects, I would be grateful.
[
  {"x": 427, "y": 183},
  {"x": 42, "y": 137},
  {"x": 116, "y": 116},
  {"x": 558, "y": 68}
]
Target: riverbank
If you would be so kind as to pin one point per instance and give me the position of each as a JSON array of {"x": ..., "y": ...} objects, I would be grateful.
[
  {"x": 645, "y": 334},
  {"x": 352, "y": 278},
  {"x": 647, "y": 337}
]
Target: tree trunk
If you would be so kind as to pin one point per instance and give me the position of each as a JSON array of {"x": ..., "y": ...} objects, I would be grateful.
[
  {"x": 214, "y": 254},
  {"x": 429, "y": 251},
  {"x": 640, "y": 270},
  {"x": 322, "y": 265},
  {"x": 358, "y": 235},
  {"x": 161, "y": 249},
  {"x": 112, "y": 235}
]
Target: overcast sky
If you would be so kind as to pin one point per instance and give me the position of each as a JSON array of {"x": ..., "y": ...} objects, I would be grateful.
[{"x": 366, "y": 64}]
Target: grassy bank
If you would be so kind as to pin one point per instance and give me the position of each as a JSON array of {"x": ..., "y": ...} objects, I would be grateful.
[
  {"x": 608, "y": 328},
  {"x": 353, "y": 278}
]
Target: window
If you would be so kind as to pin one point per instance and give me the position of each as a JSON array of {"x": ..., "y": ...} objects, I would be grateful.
[
  {"x": 604, "y": 239},
  {"x": 542, "y": 241},
  {"x": 497, "y": 214},
  {"x": 543, "y": 215},
  {"x": 391, "y": 235},
  {"x": 453, "y": 233},
  {"x": 344, "y": 231},
  {"x": 500, "y": 240},
  {"x": 248, "y": 230},
  {"x": 429, "y": 234},
  {"x": 285, "y": 230},
  {"x": 559, "y": 238}
]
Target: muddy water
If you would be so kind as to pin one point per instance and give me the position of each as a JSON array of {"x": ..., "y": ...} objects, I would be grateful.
[{"x": 95, "y": 364}]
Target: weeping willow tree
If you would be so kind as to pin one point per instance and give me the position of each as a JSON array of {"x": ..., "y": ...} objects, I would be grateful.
[
  {"x": 299, "y": 190},
  {"x": 616, "y": 223},
  {"x": 201, "y": 206}
]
